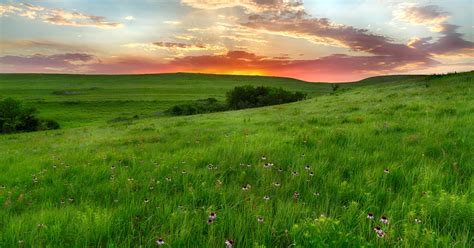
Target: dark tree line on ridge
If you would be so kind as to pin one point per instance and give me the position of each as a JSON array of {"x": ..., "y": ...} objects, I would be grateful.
[{"x": 241, "y": 97}]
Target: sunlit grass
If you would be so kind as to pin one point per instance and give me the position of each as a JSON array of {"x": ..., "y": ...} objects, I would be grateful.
[{"x": 399, "y": 150}]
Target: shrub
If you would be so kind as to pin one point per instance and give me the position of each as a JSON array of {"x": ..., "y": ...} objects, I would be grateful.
[
  {"x": 14, "y": 117},
  {"x": 239, "y": 98},
  {"x": 250, "y": 97},
  {"x": 197, "y": 107}
]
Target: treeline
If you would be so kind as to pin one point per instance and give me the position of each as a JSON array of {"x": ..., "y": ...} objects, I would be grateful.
[
  {"x": 241, "y": 97},
  {"x": 14, "y": 117}
]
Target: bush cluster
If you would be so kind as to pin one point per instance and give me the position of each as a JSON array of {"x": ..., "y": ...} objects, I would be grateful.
[
  {"x": 201, "y": 106},
  {"x": 239, "y": 98},
  {"x": 14, "y": 117},
  {"x": 251, "y": 97}
]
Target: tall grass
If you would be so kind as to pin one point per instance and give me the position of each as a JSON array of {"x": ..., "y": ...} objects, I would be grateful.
[{"x": 402, "y": 150}]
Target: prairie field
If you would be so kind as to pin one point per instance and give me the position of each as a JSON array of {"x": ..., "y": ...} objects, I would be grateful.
[{"x": 399, "y": 150}]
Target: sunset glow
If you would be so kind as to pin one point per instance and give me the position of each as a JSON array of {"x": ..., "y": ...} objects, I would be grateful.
[{"x": 331, "y": 41}]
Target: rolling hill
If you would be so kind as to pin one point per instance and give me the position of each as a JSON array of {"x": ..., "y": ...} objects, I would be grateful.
[{"x": 306, "y": 174}]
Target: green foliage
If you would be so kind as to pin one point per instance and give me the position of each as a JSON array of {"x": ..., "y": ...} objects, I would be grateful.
[
  {"x": 248, "y": 96},
  {"x": 201, "y": 106},
  {"x": 16, "y": 118},
  {"x": 239, "y": 98}
]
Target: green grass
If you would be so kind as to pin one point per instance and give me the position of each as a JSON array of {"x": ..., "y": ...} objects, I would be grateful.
[
  {"x": 60, "y": 189},
  {"x": 84, "y": 100}
]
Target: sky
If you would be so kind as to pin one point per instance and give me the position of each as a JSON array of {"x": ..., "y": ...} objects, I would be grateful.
[{"x": 317, "y": 40}]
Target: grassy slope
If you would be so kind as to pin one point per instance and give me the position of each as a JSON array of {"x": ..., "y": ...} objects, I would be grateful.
[
  {"x": 421, "y": 134},
  {"x": 103, "y": 98}
]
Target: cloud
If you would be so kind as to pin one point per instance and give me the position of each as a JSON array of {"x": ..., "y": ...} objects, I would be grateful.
[
  {"x": 338, "y": 67},
  {"x": 58, "y": 16},
  {"x": 184, "y": 37},
  {"x": 429, "y": 15},
  {"x": 8, "y": 9},
  {"x": 249, "y": 5},
  {"x": 450, "y": 42},
  {"x": 174, "y": 46},
  {"x": 71, "y": 62},
  {"x": 129, "y": 18},
  {"x": 7, "y": 46},
  {"x": 172, "y": 22},
  {"x": 323, "y": 31}
]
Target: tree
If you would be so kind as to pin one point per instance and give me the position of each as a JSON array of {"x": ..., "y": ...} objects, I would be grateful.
[{"x": 14, "y": 117}]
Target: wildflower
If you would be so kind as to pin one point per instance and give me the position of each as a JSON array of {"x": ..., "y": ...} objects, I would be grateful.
[
  {"x": 379, "y": 231},
  {"x": 209, "y": 221},
  {"x": 296, "y": 195},
  {"x": 384, "y": 219},
  {"x": 152, "y": 188},
  {"x": 266, "y": 198},
  {"x": 307, "y": 167},
  {"x": 417, "y": 221},
  {"x": 280, "y": 170},
  {"x": 303, "y": 155},
  {"x": 168, "y": 179},
  {"x": 260, "y": 219},
  {"x": 399, "y": 238},
  {"x": 210, "y": 166},
  {"x": 146, "y": 200},
  {"x": 229, "y": 243},
  {"x": 183, "y": 172},
  {"x": 386, "y": 171},
  {"x": 316, "y": 193},
  {"x": 212, "y": 216},
  {"x": 112, "y": 167},
  {"x": 249, "y": 165},
  {"x": 130, "y": 179},
  {"x": 246, "y": 187},
  {"x": 40, "y": 226},
  {"x": 71, "y": 200},
  {"x": 370, "y": 215},
  {"x": 311, "y": 173},
  {"x": 277, "y": 184},
  {"x": 264, "y": 158},
  {"x": 295, "y": 173},
  {"x": 267, "y": 165},
  {"x": 160, "y": 242}
]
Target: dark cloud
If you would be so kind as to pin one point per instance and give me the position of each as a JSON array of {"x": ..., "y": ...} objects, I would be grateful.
[
  {"x": 450, "y": 42},
  {"x": 429, "y": 14},
  {"x": 39, "y": 62}
]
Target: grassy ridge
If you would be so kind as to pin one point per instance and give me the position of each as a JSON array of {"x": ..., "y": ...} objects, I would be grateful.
[
  {"x": 126, "y": 185},
  {"x": 78, "y": 100}
]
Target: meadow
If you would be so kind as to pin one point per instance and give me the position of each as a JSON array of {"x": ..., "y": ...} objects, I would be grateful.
[
  {"x": 80, "y": 100},
  {"x": 394, "y": 153}
]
